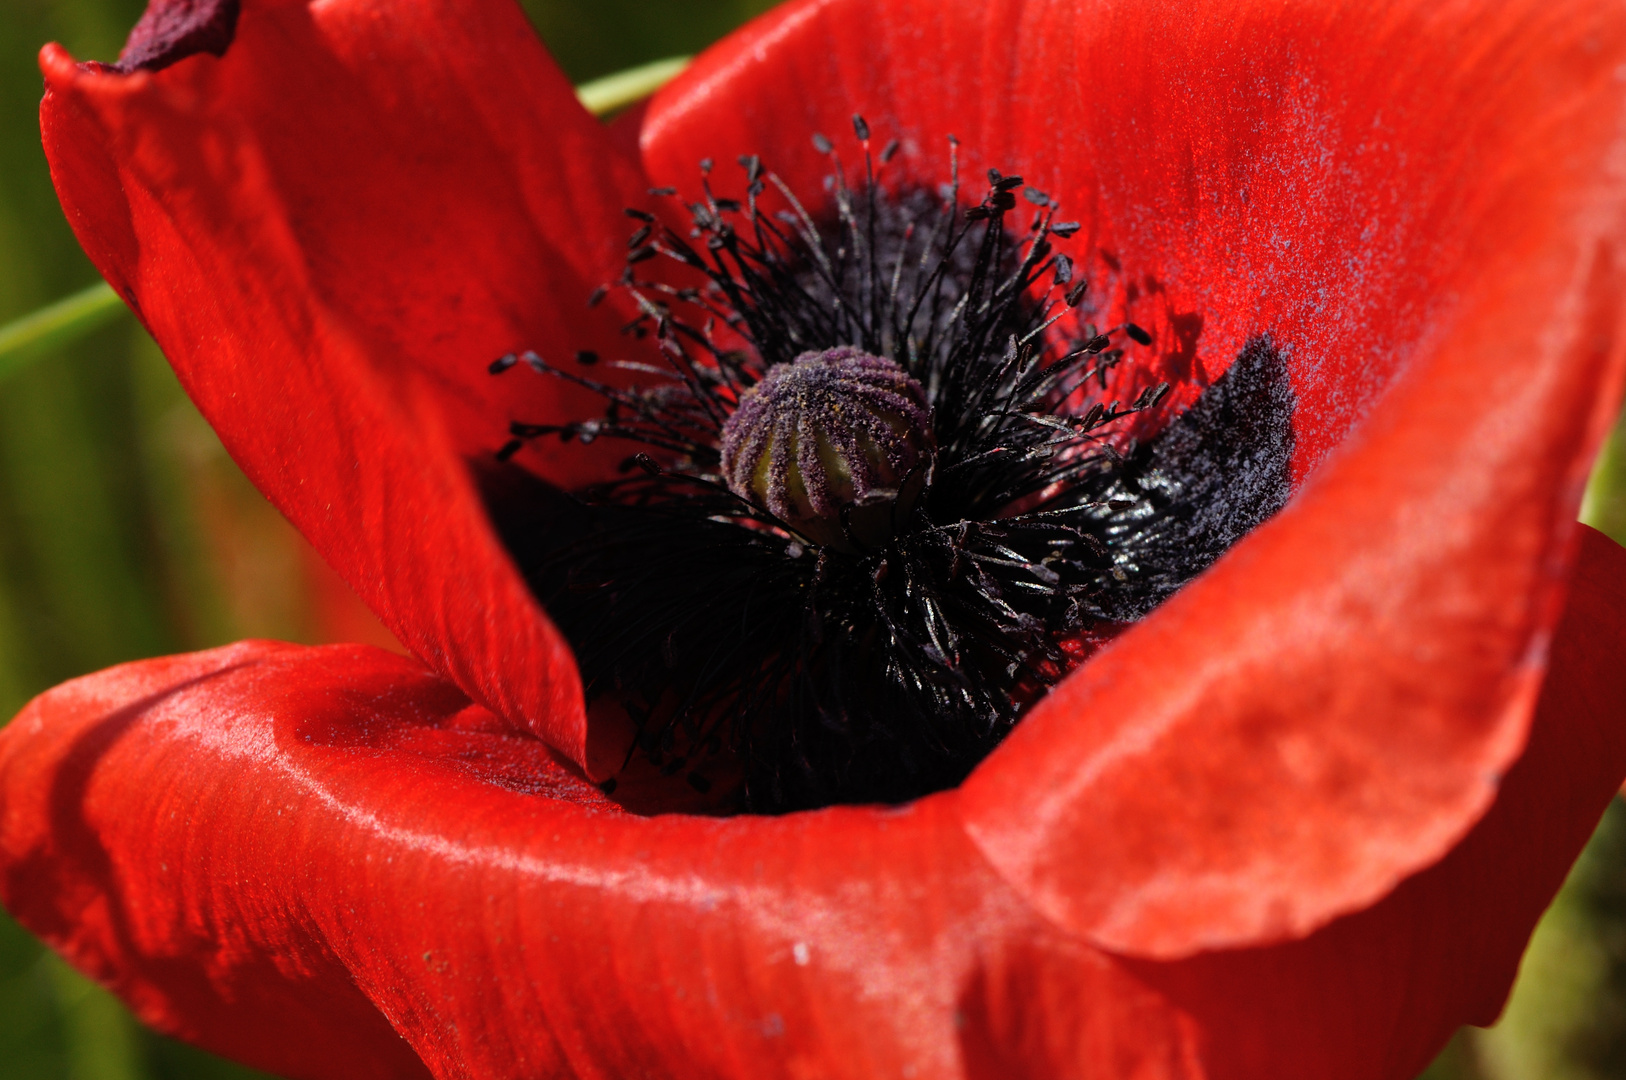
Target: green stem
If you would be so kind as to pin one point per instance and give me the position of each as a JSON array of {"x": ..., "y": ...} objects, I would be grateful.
[
  {"x": 1604, "y": 507},
  {"x": 31, "y": 336},
  {"x": 625, "y": 88}
]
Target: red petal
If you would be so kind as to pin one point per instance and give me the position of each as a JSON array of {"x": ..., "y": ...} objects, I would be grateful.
[
  {"x": 1422, "y": 210},
  {"x": 1377, "y": 992},
  {"x": 242, "y": 840},
  {"x": 270, "y": 850},
  {"x": 332, "y": 231},
  {"x": 138, "y": 907}
]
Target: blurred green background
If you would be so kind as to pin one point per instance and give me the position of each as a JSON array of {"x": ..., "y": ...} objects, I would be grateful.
[{"x": 125, "y": 532}]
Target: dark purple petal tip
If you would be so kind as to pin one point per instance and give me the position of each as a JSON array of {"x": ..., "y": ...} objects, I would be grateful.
[{"x": 173, "y": 30}]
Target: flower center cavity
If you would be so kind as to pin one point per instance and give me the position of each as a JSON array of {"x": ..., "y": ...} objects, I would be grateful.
[{"x": 882, "y": 496}]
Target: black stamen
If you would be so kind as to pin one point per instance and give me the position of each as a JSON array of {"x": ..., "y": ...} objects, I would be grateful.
[{"x": 963, "y": 559}]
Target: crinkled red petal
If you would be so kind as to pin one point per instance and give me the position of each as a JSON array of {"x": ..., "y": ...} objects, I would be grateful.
[
  {"x": 284, "y": 853},
  {"x": 331, "y": 231},
  {"x": 1420, "y": 206},
  {"x": 287, "y": 829},
  {"x": 1376, "y": 993}
]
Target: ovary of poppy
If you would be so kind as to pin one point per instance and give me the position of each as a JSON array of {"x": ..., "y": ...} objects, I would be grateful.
[{"x": 1298, "y": 821}]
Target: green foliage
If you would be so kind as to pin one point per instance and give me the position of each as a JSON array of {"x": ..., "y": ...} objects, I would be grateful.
[
  {"x": 596, "y": 37},
  {"x": 1605, "y": 505}
]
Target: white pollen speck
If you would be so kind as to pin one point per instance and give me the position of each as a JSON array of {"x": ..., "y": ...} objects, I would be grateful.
[{"x": 800, "y": 953}]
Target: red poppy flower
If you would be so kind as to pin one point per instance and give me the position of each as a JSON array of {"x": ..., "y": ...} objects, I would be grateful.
[{"x": 1298, "y": 821}]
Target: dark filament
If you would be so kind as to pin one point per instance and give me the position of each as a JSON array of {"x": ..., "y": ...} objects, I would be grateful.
[{"x": 803, "y": 675}]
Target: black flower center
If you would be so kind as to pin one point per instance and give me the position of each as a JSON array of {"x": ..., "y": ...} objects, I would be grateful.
[
  {"x": 885, "y": 497},
  {"x": 835, "y": 444}
]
